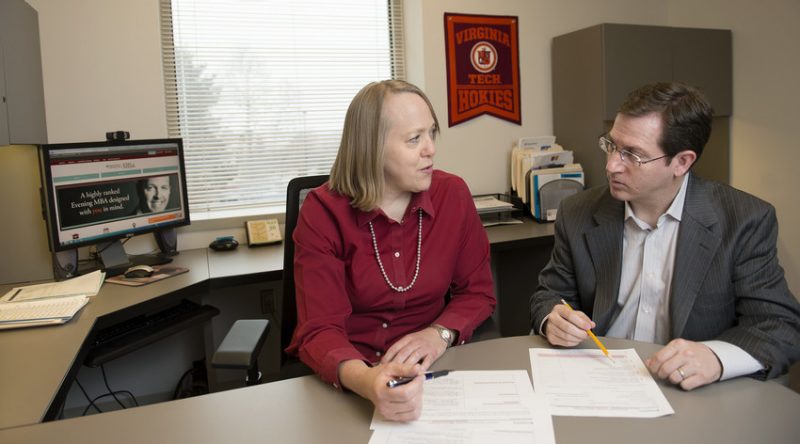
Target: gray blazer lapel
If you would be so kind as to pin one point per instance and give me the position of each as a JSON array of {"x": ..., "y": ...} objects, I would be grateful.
[
  {"x": 697, "y": 245},
  {"x": 604, "y": 243}
]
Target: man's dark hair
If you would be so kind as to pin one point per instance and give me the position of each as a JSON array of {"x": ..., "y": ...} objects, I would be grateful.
[{"x": 685, "y": 113}]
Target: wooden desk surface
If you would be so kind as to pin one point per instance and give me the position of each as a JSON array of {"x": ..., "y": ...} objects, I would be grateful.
[{"x": 304, "y": 410}]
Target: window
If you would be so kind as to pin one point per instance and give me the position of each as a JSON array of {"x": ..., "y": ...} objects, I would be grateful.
[{"x": 258, "y": 89}]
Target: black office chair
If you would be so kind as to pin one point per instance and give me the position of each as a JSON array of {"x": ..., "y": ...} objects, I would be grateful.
[{"x": 296, "y": 191}]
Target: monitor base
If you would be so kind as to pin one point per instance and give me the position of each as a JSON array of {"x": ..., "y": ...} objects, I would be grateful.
[
  {"x": 115, "y": 261},
  {"x": 149, "y": 259}
]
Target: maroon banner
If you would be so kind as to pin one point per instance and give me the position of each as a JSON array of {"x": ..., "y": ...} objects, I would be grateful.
[{"x": 482, "y": 67}]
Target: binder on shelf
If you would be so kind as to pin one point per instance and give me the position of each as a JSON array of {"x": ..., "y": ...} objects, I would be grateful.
[{"x": 548, "y": 187}]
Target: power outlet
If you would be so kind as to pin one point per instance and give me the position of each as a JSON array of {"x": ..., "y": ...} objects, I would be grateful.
[{"x": 268, "y": 301}]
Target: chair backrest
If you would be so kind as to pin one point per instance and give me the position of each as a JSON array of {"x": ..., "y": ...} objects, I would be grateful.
[{"x": 295, "y": 194}]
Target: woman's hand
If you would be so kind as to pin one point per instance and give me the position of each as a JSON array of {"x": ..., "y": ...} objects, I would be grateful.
[
  {"x": 401, "y": 403},
  {"x": 423, "y": 347}
]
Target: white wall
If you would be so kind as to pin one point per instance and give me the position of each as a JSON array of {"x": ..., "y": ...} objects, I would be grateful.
[{"x": 102, "y": 71}]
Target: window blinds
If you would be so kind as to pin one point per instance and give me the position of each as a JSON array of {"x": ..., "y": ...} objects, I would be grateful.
[{"x": 258, "y": 89}]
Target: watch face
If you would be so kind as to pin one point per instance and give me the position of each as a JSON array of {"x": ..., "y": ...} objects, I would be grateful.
[{"x": 445, "y": 334}]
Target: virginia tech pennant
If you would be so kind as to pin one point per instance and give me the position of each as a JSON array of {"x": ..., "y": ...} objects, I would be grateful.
[{"x": 482, "y": 67}]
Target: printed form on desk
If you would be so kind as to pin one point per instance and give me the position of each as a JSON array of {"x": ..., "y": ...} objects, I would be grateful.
[
  {"x": 473, "y": 407},
  {"x": 580, "y": 382}
]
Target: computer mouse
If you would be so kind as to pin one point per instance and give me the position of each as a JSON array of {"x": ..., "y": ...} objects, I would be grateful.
[
  {"x": 139, "y": 271},
  {"x": 227, "y": 243}
]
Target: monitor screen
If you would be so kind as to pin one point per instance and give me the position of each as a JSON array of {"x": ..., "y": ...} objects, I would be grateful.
[{"x": 99, "y": 192}]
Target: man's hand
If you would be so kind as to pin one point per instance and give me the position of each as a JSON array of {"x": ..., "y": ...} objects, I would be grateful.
[
  {"x": 566, "y": 327},
  {"x": 424, "y": 347},
  {"x": 686, "y": 363},
  {"x": 401, "y": 403}
]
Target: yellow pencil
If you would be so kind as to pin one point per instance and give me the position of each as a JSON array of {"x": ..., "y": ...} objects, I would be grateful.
[{"x": 591, "y": 335}]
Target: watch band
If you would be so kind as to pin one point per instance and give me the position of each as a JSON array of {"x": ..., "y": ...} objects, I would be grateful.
[{"x": 446, "y": 334}]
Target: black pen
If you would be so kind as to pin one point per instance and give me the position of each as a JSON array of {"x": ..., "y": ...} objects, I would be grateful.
[
  {"x": 14, "y": 295},
  {"x": 406, "y": 379}
]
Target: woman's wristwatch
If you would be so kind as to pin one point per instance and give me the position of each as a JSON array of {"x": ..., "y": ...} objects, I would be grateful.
[{"x": 446, "y": 334}]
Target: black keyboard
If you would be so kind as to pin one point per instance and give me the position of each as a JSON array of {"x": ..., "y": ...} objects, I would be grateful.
[{"x": 122, "y": 338}]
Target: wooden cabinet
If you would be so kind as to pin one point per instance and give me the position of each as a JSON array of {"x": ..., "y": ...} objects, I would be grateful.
[
  {"x": 22, "y": 115},
  {"x": 595, "y": 68}
]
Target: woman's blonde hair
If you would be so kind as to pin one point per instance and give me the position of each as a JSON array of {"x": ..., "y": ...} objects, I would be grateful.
[{"x": 357, "y": 171}]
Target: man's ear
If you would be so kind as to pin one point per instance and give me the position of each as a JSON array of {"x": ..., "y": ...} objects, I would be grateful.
[{"x": 683, "y": 161}]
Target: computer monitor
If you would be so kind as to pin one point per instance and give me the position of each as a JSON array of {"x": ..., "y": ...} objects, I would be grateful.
[{"x": 96, "y": 193}]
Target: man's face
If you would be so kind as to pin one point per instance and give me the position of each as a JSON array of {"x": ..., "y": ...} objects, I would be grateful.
[
  {"x": 156, "y": 193},
  {"x": 650, "y": 183}
]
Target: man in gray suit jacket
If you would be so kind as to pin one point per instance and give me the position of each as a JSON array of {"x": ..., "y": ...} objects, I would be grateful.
[{"x": 660, "y": 255}]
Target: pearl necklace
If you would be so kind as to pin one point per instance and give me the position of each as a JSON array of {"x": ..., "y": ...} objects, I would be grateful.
[{"x": 400, "y": 289}]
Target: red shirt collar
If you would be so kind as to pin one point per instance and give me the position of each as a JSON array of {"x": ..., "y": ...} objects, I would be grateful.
[{"x": 418, "y": 200}]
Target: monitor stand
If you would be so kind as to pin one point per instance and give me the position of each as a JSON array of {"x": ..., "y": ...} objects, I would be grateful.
[
  {"x": 150, "y": 259},
  {"x": 115, "y": 261}
]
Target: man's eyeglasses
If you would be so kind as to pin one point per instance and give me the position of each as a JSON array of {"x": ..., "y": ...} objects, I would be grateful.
[{"x": 609, "y": 147}]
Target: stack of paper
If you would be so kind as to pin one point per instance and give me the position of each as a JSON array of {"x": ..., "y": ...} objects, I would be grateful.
[
  {"x": 50, "y": 303},
  {"x": 86, "y": 285},
  {"x": 474, "y": 406},
  {"x": 580, "y": 382},
  {"x": 38, "y": 312},
  {"x": 488, "y": 204}
]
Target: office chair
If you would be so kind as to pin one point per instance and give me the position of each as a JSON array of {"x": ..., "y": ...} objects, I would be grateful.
[
  {"x": 241, "y": 346},
  {"x": 296, "y": 191}
]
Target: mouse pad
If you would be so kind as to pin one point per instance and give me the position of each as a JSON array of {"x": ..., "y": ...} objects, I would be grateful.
[{"x": 161, "y": 272}]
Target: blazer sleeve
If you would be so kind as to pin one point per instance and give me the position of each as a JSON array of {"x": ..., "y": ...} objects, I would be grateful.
[
  {"x": 557, "y": 278},
  {"x": 768, "y": 315}
]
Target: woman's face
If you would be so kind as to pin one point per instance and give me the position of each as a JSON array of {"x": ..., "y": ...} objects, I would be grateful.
[
  {"x": 409, "y": 146},
  {"x": 156, "y": 193}
]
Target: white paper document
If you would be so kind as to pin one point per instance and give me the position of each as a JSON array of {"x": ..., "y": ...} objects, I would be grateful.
[
  {"x": 40, "y": 312},
  {"x": 454, "y": 436},
  {"x": 586, "y": 383},
  {"x": 487, "y": 203},
  {"x": 473, "y": 407},
  {"x": 86, "y": 285}
]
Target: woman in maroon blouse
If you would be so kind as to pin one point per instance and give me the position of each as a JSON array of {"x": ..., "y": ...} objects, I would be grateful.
[{"x": 379, "y": 246}]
